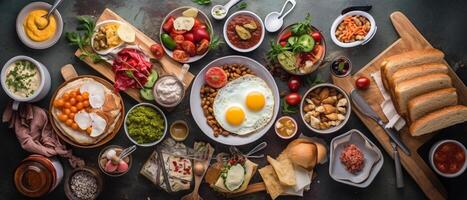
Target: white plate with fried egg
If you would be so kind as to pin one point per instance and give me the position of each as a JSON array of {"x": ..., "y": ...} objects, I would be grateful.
[{"x": 246, "y": 107}]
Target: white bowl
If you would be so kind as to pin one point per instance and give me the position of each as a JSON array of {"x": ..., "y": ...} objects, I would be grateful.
[
  {"x": 197, "y": 110},
  {"x": 159, "y": 111},
  {"x": 178, "y": 12},
  {"x": 432, "y": 153},
  {"x": 106, "y": 51},
  {"x": 244, "y": 12},
  {"x": 290, "y": 136},
  {"x": 42, "y": 90},
  {"x": 334, "y": 128},
  {"x": 368, "y": 36},
  {"x": 22, "y": 34}
]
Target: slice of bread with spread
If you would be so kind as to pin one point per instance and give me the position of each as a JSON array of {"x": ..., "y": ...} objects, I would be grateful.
[
  {"x": 431, "y": 101},
  {"x": 439, "y": 119}
]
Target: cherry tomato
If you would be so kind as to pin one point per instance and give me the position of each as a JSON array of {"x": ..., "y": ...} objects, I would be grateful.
[
  {"x": 74, "y": 109},
  {"x": 283, "y": 43},
  {"x": 189, "y": 36},
  {"x": 67, "y": 105},
  {"x": 215, "y": 77},
  {"x": 58, "y": 103},
  {"x": 85, "y": 95},
  {"x": 200, "y": 34},
  {"x": 178, "y": 32},
  {"x": 79, "y": 98},
  {"x": 188, "y": 47},
  {"x": 285, "y": 36},
  {"x": 294, "y": 84},
  {"x": 67, "y": 111},
  {"x": 169, "y": 24},
  {"x": 362, "y": 83},
  {"x": 66, "y": 96},
  {"x": 72, "y": 101},
  {"x": 85, "y": 103},
  {"x": 74, "y": 93},
  {"x": 75, "y": 126},
  {"x": 71, "y": 116},
  {"x": 316, "y": 36},
  {"x": 62, "y": 117},
  {"x": 79, "y": 106},
  {"x": 293, "y": 99},
  {"x": 180, "y": 55},
  {"x": 69, "y": 122},
  {"x": 157, "y": 50},
  {"x": 203, "y": 46}
]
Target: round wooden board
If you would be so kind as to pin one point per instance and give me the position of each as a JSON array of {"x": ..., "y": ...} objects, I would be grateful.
[{"x": 109, "y": 136}]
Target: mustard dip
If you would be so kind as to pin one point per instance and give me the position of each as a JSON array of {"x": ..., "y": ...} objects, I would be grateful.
[{"x": 34, "y": 20}]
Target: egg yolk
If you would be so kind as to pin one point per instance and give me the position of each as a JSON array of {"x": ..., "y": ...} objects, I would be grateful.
[
  {"x": 255, "y": 101},
  {"x": 234, "y": 116}
]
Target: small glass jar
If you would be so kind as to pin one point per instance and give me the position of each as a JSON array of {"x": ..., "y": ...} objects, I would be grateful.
[
  {"x": 38, "y": 175},
  {"x": 341, "y": 67}
]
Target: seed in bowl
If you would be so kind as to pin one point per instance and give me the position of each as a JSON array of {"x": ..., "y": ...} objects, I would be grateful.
[
  {"x": 353, "y": 28},
  {"x": 325, "y": 107}
]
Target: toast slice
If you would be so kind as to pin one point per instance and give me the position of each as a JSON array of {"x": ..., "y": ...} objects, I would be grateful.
[
  {"x": 439, "y": 119},
  {"x": 417, "y": 57},
  {"x": 408, "y": 73},
  {"x": 429, "y": 102},
  {"x": 406, "y": 90}
]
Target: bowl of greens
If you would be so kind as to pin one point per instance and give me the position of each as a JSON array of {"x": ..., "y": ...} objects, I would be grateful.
[
  {"x": 145, "y": 125},
  {"x": 300, "y": 48}
]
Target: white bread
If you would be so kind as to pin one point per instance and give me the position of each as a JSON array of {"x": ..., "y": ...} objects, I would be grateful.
[
  {"x": 408, "y": 73},
  {"x": 429, "y": 102},
  {"x": 406, "y": 90},
  {"x": 439, "y": 119},
  {"x": 417, "y": 57}
]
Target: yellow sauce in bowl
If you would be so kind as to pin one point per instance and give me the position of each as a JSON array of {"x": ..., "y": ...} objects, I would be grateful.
[{"x": 34, "y": 21}]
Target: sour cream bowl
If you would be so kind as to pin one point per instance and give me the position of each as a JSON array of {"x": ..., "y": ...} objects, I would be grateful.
[{"x": 40, "y": 92}]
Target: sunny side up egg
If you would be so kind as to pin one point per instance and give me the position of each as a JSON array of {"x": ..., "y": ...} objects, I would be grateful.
[{"x": 244, "y": 105}]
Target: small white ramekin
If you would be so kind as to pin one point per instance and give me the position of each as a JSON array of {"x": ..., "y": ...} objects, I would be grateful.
[
  {"x": 368, "y": 36},
  {"x": 432, "y": 154},
  {"x": 243, "y": 12}
]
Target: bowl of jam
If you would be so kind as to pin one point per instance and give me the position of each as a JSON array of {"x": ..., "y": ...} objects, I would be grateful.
[
  {"x": 341, "y": 66},
  {"x": 447, "y": 158}
]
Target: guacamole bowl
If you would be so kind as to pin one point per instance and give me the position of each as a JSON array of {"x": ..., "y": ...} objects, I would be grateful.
[{"x": 145, "y": 125}]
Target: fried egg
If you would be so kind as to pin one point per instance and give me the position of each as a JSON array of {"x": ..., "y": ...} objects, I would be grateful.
[{"x": 244, "y": 105}]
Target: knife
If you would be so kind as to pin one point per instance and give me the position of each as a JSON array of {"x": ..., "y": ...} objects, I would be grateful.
[{"x": 363, "y": 106}]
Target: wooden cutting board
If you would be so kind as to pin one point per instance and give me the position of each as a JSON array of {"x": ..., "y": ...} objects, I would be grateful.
[
  {"x": 166, "y": 64},
  {"x": 420, "y": 171}
]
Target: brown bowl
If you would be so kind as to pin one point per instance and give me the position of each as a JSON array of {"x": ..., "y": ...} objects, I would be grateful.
[
  {"x": 94, "y": 172},
  {"x": 107, "y": 138}
]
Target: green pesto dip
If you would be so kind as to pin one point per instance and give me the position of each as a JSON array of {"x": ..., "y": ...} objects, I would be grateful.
[{"x": 145, "y": 124}]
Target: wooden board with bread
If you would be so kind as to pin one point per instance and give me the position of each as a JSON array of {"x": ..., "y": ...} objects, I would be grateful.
[{"x": 425, "y": 91}]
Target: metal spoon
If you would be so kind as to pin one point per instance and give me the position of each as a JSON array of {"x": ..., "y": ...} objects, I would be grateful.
[
  {"x": 126, "y": 152},
  {"x": 47, "y": 16},
  {"x": 220, "y": 11},
  {"x": 274, "y": 20}
]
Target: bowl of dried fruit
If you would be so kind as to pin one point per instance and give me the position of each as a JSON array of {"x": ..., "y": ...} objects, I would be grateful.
[{"x": 325, "y": 108}]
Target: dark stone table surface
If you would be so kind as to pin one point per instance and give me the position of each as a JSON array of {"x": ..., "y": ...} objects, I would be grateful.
[{"x": 443, "y": 23}]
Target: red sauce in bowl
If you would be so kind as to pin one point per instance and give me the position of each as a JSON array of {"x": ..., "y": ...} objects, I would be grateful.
[
  {"x": 449, "y": 158},
  {"x": 235, "y": 39}
]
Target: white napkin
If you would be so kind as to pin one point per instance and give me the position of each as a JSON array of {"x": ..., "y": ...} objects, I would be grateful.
[
  {"x": 303, "y": 178},
  {"x": 395, "y": 120}
]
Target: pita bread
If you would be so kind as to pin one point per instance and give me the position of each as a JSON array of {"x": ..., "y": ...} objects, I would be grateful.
[
  {"x": 273, "y": 186},
  {"x": 284, "y": 170}
]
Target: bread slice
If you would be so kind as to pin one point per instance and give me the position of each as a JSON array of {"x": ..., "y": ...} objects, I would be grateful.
[
  {"x": 408, "y": 73},
  {"x": 406, "y": 90},
  {"x": 429, "y": 102},
  {"x": 417, "y": 57},
  {"x": 439, "y": 119}
]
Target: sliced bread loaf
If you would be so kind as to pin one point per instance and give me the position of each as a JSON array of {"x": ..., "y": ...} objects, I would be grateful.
[
  {"x": 439, "y": 119},
  {"x": 431, "y": 101},
  {"x": 409, "y": 89},
  {"x": 417, "y": 57},
  {"x": 416, "y": 71}
]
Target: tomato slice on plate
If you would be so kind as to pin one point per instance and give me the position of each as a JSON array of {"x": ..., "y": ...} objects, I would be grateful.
[
  {"x": 215, "y": 77},
  {"x": 180, "y": 55}
]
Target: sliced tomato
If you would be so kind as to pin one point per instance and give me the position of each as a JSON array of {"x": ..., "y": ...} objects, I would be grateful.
[
  {"x": 203, "y": 46},
  {"x": 180, "y": 55},
  {"x": 215, "y": 77},
  {"x": 188, "y": 47},
  {"x": 318, "y": 51},
  {"x": 283, "y": 43},
  {"x": 189, "y": 36},
  {"x": 178, "y": 32},
  {"x": 179, "y": 39},
  {"x": 169, "y": 24},
  {"x": 197, "y": 24},
  {"x": 285, "y": 36},
  {"x": 157, "y": 50}
]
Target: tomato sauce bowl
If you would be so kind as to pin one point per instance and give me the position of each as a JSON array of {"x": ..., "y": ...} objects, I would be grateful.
[{"x": 448, "y": 158}]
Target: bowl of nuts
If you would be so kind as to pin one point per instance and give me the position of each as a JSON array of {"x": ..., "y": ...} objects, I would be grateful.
[{"x": 325, "y": 108}]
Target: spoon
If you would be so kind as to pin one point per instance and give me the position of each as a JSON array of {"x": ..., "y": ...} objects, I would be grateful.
[
  {"x": 198, "y": 171},
  {"x": 275, "y": 20},
  {"x": 41, "y": 25},
  {"x": 126, "y": 152},
  {"x": 220, "y": 11}
]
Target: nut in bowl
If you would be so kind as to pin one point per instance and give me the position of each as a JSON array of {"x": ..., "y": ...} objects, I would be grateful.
[
  {"x": 353, "y": 28},
  {"x": 325, "y": 108},
  {"x": 106, "y": 36},
  {"x": 448, "y": 158},
  {"x": 186, "y": 34},
  {"x": 145, "y": 125},
  {"x": 244, "y": 31},
  {"x": 300, "y": 48}
]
